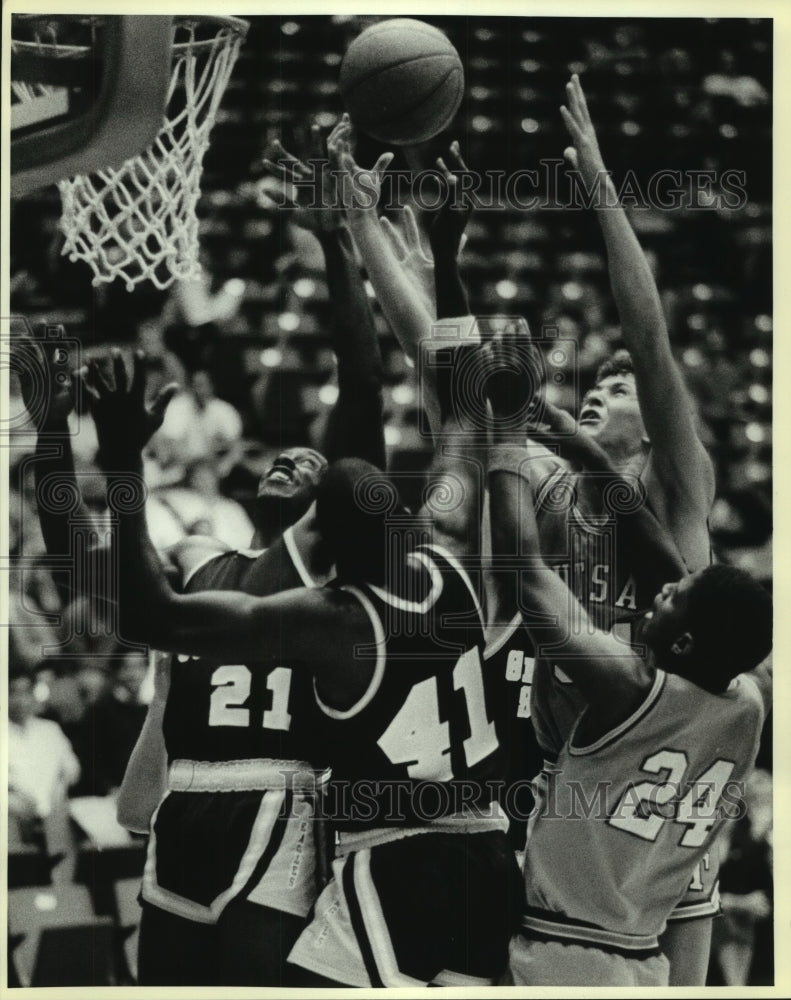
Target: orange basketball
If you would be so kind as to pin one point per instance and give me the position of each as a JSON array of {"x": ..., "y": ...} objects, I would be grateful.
[{"x": 402, "y": 81}]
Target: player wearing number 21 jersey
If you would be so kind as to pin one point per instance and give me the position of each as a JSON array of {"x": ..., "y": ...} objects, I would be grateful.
[
  {"x": 425, "y": 886},
  {"x": 651, "y": 769}
]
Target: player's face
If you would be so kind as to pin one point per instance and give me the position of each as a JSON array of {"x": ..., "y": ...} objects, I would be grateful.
[
  {"x": 668, "y": 617},
  {"x": 610, "y": 413},
  {"x": 294, "y": 474}
]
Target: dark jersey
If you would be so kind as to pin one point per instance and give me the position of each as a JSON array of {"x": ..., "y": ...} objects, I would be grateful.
[
  {"x": 219, "y": 711},
  {"x": 509, "y": 663},
  {"x": 237, "y": 818},
  {"x": 421, "y": 742}
]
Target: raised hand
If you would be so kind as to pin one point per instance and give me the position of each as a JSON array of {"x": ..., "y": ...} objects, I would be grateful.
[
  {"x": 50, "y": 399},
  {"x": 360, "y": 188},
  {"x": 560, "y": 432},
  {"x": 584, "y": 155},
  {"x": 515, "y": 381},
  {"x": 450, "y": 220},
  {"x": 124, "y": 423},
  {"x": 311, "y": 189},
  {"x": 411, "y": 256}
]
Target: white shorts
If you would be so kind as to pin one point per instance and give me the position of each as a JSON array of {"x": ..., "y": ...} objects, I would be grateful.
[{"x": 561, "y": 963}]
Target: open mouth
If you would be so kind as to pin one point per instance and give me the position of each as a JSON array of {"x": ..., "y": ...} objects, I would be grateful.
[
  {"x": 280, "y": 474},
  {"x": 590, "y": 416}
]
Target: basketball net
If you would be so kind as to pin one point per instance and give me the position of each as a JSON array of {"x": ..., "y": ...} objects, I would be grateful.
[{"x": 139, "y": 222}]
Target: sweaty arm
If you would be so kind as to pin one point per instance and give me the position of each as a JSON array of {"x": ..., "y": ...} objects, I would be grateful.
[
  {"x": 613, "y": 684},
  {"x": 356, "y": 424}
]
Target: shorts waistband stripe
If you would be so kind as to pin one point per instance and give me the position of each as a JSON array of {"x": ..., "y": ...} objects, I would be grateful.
[
  {"x": 563, "y": 930},
  {"x": 242, "y": 776}
]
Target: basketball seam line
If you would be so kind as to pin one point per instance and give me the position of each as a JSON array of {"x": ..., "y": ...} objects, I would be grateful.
[
  {"x": 395, "y": 65},
  {"x": 423, "y": 99}
]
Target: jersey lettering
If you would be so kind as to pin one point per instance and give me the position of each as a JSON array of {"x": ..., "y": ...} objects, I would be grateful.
[
  {"x": 696, "y": 882},
  {"x": 599, "y": 580},
  {"x": 628, "y": 596}
]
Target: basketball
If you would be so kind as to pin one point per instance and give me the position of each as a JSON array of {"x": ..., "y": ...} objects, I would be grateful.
[{"x": 402, "y": 81}]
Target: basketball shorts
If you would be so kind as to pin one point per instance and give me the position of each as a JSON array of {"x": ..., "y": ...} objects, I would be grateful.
[
  {"x": 208, "y": 847},
  {"x": 561, "y": 963},
  {"x": 428, "y": 908}
]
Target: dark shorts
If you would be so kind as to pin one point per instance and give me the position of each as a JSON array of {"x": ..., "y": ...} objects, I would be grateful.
[{"x": 432, "y": 907}]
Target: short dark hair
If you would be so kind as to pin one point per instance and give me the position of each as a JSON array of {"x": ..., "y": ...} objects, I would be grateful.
[
  {"x": 730, "y": 620},
  {"x": 619, "y": 363},
  {"x": 353, "y": 503}
]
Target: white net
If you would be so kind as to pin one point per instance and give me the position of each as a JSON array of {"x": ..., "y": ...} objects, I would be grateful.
[{"x": 139, "y": 222}]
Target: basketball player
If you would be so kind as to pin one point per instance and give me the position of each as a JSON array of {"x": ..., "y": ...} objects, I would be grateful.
[
  {"x": 422, "y": 891},
  {"x": 241, "y": 917},
  {"x": 640, "y": 415},
  {"x": 649, "y": 746}
]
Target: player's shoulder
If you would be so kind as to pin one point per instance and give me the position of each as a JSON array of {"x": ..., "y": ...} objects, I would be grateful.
[{"x": 192, "y": 553}]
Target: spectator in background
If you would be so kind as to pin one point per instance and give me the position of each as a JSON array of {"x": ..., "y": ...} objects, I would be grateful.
[
  {"x": 41, "y": 762},
  {"x": 116, "y": 721},
  {"x": 197, "y": 425},
  {"x": 746, "y": 885},
  {"x": 203, "y": 510}
]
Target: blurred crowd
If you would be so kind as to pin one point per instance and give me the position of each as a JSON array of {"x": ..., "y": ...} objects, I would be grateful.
[{"x": 248, "y": 342}]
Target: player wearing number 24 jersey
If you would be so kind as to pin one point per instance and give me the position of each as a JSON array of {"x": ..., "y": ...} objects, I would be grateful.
[{"x": 643, "y": 783}]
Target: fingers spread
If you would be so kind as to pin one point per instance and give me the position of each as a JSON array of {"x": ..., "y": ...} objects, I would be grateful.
[
  {"x": 98, "y": 379},
  {"x": 571, "y": 124},
  {"x": 162, "y": 399},
  {"x": 119, "y": 370},
  {"x": 383, "y": 163},
  {"x": 138, "y": 375}
]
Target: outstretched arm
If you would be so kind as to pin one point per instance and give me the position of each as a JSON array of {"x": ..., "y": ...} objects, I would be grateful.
[
  {"x": 318, "y": 629},
  {"x": 680, "y": 475},
  {"x": 456, "y": 470},
  {"x": 404, "y": 306},
  {"x": 49, "y": 400},
  {"x": 356, "y": 424}
]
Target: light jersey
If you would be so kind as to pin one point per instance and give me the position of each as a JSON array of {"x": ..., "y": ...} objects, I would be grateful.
[
  {"x": 509, "y": 657},
  {"x": 616, "y": 584},
  {"x": 420, "y": 745},
  {"x": 621, "y": 824},
  {"x": 241, "y": 757}
]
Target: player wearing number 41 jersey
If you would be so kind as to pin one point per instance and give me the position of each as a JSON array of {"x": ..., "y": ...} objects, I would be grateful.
[{"x": 651, "y": 769}]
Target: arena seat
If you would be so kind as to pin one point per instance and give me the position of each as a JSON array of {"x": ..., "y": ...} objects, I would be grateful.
[{"x": 59, "y": 939}]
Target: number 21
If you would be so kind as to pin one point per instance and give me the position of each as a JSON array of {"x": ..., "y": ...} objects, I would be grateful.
[{"x": 232, "y": 689}]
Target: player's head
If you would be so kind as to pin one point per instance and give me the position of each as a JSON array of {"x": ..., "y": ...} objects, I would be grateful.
[
  {"x": 288, "y": 487},
  {"x": 610, "y": 411},
  {"x": 355, "y": 511},
  {"x": 710, "y": 626}
]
